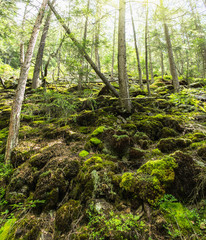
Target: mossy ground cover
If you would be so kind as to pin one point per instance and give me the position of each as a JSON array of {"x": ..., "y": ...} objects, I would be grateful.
[{"x": 79, "y": 154}]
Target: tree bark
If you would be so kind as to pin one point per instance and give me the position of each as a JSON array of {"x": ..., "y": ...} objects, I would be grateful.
[
  {"x": 162, "y": 64},
  {"x": 146, "y": 51},
  {"x": 97, "y": 33},
  {"x": 81, "y": 72},
  {"x": 40, "y": 53},
  {"x": 150, "y": 64},
  {"x": 12, "y": 139},
  {"x": 22, "y": 37},
  {"x": 2, "y": 83},
  {"x": 173, "y": 69},
  {"x": 137, "y": 51},
  {"x": 122, "y": 68},
  {"x": 113, "y": 47},
  {"x": 83, "y": 52}
]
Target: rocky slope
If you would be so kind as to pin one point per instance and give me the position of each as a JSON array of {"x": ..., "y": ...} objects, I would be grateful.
[{"x": 83, "y": 169}]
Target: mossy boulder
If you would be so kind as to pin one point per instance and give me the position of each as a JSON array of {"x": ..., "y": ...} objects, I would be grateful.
[
  {"x": 202, "y": 152},
  {"x": 151, "y": 127},
  {"x": 168, "y": 132},
  {"x": 150, "y": 180},
  {"x": 142, "y": 140},
  {"x": 21, "y": 183},
  {"x": 86, "y": 118},
  {"x": 50, "y": 187},
  {"x": 185, "y": 176},
  {"x": 40, "y": 159},
  {"x": 67, "y": 214},
  {"x": 117, "y": 142},
  {"x": 136, "y": 154},
  {"x": 167, "y": 145}
]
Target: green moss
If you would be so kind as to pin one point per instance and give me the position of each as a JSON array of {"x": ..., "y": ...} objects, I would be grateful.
[
  {"x": 6, "y": 229},
  {"x": 85, "y": 130},
  {"x": 128, "y": 182},
  {"x": 120, "y": 137},
  {"x": 97, "y": 163},
  {"x": 167, "y": 145},
  {"x": 179, "y": 216},
  {"x": 98, "y": 131},
  {"x": 3, "y": 133},
  {"x": 150, "y": 180},
  {"x": 163, "y": 169},
  {"x": 83, "y": 154},
  {"x": 95, "y": 141}
]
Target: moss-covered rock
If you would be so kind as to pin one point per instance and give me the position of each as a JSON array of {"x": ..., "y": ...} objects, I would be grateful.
[
  {"x": 136, "y": 153},
  {"x": 202, "y": 152},
  {"x": 167, "y": 145},
  {"x": 168, "y": 132},
  {"x": 185, "y": 176},
  {"x": 150, "y": 180},
  {"x": 67, "y": 214},
  {"x": 86, "y": 118}
]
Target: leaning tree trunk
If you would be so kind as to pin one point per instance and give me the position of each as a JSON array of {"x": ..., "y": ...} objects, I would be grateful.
[
  {"x": 173, "y": 69},
  {"x": 146, "y": 51},
  {"x": 83, "y": 52},
  {"x": 19, "y": 97},
  {"x": 137, "y": 51},
  {"x": 40, "y": 53},
  {"x": 122, "y": 68}
]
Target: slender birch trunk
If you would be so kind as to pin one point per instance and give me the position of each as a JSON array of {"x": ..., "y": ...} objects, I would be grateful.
[
  {"x": 12, "y": 139},
  {"x": 122, "y": 68},
  {"x": 146, "y": 51},
  {"x": 83, "y": 52},
  {"x": 40, "y": 53},
  {"x": 81, "y": 73},
  {"x": 150, "y": 64},
  {"x": 162, "y": 64},
  {"x": 137, "y": 51}
]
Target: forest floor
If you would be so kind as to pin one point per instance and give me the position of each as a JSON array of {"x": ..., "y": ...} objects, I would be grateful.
[{"x": 83, "y": 169}]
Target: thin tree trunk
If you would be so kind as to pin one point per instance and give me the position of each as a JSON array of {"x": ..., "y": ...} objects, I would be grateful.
[
  {"x": 40, "y": 53},
  {"x": 12, "y": 139},
  {"x": 44, "y": 76},
  {"x": 122, "y": 68},
  {"x": 150, "y": 64},
  {"x": 162, "y": 64},
  {"x": 97, "y": 33},
  {"x": 137, "y": 51},
  {"x": 171, "y": 60},
  {"x": 81, "y": 73},
  {"x": 83, "y": 52},
  {"x": 113, "y": 47},
  {"x": 146, "y": 51},
  {"x": 22, "y": 37}
]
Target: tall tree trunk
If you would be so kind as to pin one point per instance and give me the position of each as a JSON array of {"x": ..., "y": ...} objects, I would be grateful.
[
  {"x": 113, "y": 47},
  {"x": 122, "y": 68},
  {"x": 83, "y": 52},
  {"x": 22, "y": 36},
  {"x": 19, "y": 97},
  {"x": 40, "y": 53},
  {"x": 81, "y": 72},
  {"x": 150, "y": 64},
  {"x": 146, "y": 51},
  {"x": 137, "y": 51},
  {"x": 97, "y": 33},
  {"x": 162, "y": 64},
  {"x": 173, "y": 69}
]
